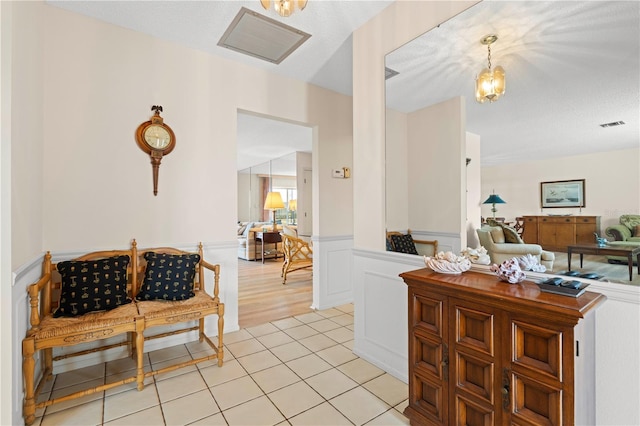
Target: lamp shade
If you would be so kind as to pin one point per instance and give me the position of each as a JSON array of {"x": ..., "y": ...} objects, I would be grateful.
[
  {"x": 494, "y": 199},
  {"x": 273, "y": 201},
  {"x": 293, "y": 205}
]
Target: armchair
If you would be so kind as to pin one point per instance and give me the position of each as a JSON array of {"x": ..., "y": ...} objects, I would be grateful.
[
  {"x": 493, "y": 239},
  {"x": 298, "y": 254}
]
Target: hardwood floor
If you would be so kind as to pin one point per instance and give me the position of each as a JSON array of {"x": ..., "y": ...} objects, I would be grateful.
[{"x": 263, "y": 298}]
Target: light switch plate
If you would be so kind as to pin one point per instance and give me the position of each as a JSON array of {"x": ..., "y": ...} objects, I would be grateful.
[{"x": 338, "y": 173}]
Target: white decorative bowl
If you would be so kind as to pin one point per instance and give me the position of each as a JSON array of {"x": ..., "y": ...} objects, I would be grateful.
[{"x": 454, "y": 265}]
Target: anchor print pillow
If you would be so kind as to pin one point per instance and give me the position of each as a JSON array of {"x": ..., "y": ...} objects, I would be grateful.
[
  {"x": 168, "y": 276},
  {"x": 95, "y": 285}
]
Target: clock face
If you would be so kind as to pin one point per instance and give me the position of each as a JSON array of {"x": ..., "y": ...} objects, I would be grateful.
[{"x": 157, "y": 137}]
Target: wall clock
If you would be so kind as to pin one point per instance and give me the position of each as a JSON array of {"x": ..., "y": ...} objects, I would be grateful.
[{"x": 157, "y": 139}]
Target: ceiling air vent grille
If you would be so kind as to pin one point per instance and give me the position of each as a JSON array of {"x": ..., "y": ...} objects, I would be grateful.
[
  {"x": 612, "y": 124},
  {"x": 261, "y": 37}
]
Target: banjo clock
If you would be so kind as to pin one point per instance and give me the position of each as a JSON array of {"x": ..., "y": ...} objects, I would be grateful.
[{"x": 157, "y": 139}]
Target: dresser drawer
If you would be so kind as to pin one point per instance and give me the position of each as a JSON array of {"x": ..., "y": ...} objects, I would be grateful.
[
  {"x": 564, "y": 219},
  {"x": 587, "y": 219}
]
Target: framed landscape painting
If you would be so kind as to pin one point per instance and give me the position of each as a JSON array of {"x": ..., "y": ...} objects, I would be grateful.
[{"x": 562, "y": 193}]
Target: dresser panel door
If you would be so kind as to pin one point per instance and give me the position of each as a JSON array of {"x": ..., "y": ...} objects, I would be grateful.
[
  {"x": 565, "y": 232},
  {"x": 473, "y": 352},
  {"x": 530, "y": 233},
  {"x": 428, "y": 356},
  {"x": 586, "y": 227},
  {"x": 537, "y": 373}
]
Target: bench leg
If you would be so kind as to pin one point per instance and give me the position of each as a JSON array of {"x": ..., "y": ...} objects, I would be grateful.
[
  {"x": 140, "y": 353},
  {"x": 220, "y": 331},
  {"x": 201, "y": 330},
  {"x": 28, "y": 371}
]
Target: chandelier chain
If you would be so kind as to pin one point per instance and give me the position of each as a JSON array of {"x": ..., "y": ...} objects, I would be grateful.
[{"x": 489, "y": 56}]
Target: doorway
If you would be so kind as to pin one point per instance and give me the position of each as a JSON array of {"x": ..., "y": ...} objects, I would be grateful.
[{"x": 275, "y": 154}]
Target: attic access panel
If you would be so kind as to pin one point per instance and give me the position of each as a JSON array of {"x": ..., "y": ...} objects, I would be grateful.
[{"x": 259, "y": 36}]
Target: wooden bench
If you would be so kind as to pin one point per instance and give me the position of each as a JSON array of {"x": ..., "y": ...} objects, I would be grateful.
[{"x": 103, "y": 270}]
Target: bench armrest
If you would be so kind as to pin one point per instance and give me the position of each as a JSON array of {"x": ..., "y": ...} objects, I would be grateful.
[{"x": 216, "y": 278}]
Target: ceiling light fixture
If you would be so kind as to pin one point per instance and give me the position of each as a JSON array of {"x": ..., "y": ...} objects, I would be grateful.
[
  {"x": 284, "y": 8},
  {"x": 490, "y": 84}
]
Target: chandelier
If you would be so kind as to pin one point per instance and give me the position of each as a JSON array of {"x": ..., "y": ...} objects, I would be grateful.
[
  {"x": 490, "y": 83},
  {"x": 284, "y": 7}
]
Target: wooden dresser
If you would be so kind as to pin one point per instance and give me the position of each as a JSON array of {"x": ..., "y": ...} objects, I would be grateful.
[
  {"x": 484, "y": 352},
  {"x": 555, "y": 233}
]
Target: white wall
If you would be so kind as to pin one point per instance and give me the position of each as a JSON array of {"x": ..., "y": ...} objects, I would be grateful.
[
  {"x": 435, "y": 158},
  {"x": 612, "y": 185},
  {"x": 397, "y": 180},
  {"x": 473, "y": 189},
  {"x": 21, "y": 133}
]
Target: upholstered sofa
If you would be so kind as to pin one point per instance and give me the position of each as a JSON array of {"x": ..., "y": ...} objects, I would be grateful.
[
  {"x": 627, "y": 230},
  {"x": 502, "y": 244}
]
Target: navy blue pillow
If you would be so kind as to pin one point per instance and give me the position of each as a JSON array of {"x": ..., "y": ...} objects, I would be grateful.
[
  {"x": 94, "y": 285},
  {"x": 404, "y": 244},
  {"x": 168, "y": 276}
]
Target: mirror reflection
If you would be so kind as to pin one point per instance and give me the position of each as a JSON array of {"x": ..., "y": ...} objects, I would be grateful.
[{"x": 570, "y": 111}]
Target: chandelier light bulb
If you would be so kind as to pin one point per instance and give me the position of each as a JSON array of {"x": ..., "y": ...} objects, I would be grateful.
[
  {"x": 490, "y": 83},
  {"x": 284, "y": 8}
]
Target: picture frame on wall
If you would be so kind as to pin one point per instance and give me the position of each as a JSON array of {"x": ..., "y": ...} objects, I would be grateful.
[{"x": 562, "y": 193}]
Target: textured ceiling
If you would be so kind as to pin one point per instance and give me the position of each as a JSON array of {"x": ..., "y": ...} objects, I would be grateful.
[{"x": 570, "y": 65}]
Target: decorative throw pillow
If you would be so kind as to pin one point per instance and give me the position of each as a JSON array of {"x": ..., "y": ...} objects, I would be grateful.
[
  {"x": 404, "y": 244},
  {"x": 95, "y": 285},
  {"x": 389, "y": 244},
  {"x": 636, "y": 231},
  {"x": 497, "y": 234},
  {"x": 168, "y": 276},
  {"x": 511, "y": 235}
]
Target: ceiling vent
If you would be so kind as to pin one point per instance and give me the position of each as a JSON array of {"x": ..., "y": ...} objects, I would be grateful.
[
  {"x": 613, "y": 124},
  {"x": 261, "y": 37},
  {"x": 388, "y": 73}
]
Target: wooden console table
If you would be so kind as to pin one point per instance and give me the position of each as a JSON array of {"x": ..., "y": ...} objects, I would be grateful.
[
  {"x": 556, "y": 233},
  {"x": 484, "y": 352},
  {"x": 628, "y": 251},
  {"x": 268, "y": 238}
]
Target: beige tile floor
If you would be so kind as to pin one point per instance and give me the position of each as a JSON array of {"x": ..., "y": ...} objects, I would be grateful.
[{"x": 295, "y": 371}]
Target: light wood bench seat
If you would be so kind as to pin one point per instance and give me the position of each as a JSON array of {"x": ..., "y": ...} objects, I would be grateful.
[{"x": 130, "y": 320}]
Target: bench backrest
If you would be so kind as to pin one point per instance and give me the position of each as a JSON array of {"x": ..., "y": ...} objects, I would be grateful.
[
  {"x": 141, "y": 265},
  {"x": 51, "y": 293},
  {"x": 50, "y": 285}
]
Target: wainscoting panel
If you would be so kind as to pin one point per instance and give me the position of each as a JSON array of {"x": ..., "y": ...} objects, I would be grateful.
[
  {"x": 332, "y": 284},
  {"x": 380, "y": 299}
]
